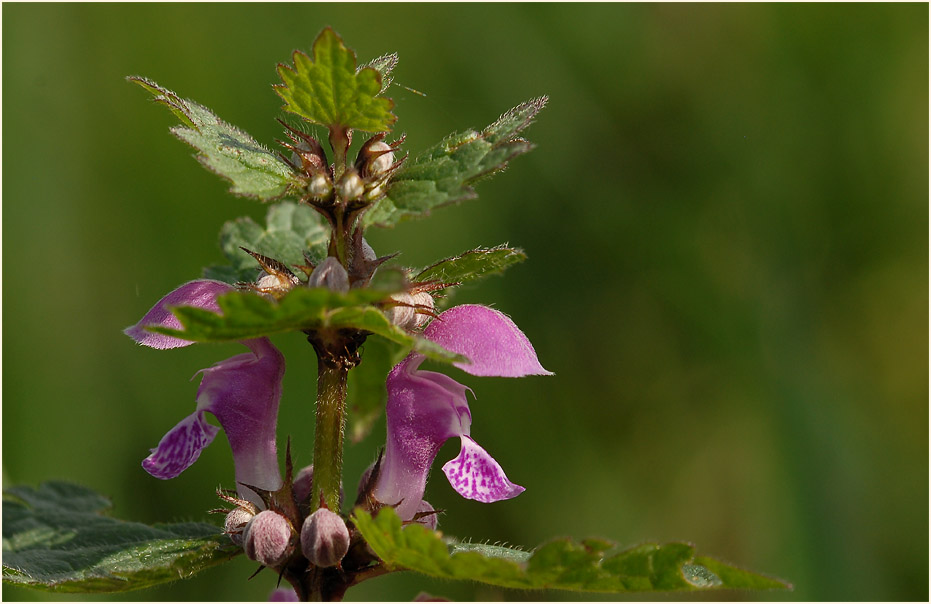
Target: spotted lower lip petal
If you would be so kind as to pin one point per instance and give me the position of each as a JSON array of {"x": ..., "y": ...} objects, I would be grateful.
[{"x": 476, "y": 475}]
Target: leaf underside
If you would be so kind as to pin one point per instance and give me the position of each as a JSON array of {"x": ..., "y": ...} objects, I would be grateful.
[
  {"x": 591, "y": 565},
  {"x": 253, "y": 170},
  {"x": 291, "y": 230},
  {"x": 443, "y": 174},
  {"x": 328, "y": 89},
  {"x": 246, "y": 315},
  {"x": 57, "y": 538}
]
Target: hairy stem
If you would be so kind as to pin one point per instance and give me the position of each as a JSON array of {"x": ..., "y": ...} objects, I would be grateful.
[{"x": 328, "y": 438}]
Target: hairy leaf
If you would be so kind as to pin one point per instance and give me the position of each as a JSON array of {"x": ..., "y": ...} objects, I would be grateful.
[
  {"x": 329, "y": 90},
  {"x": 589, "y": 565},
  {"x": 225, "y": 149},
  {"x": 472, "y": 265},
  {"x": 292, "y": 229},
  {"x": 443, "y": 174},
  {"x": 383, "y": 65},
  {"x": 248, "y": 315},
  {"x": 56, "y": 537}
]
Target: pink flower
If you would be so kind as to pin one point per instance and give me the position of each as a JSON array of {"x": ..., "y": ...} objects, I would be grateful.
[
  {"x": 426, "y": 408},
  {"x": 242, "y": 392}
]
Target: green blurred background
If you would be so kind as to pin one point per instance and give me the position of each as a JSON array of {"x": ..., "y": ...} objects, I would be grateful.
[{"x": 726, "y": 220}]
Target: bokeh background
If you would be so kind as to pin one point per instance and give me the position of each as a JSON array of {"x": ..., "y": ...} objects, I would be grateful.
[{"x": 726, "y": 219}]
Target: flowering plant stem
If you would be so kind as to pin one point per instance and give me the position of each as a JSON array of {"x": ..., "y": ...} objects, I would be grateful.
[{"x": 330, "y": 427}]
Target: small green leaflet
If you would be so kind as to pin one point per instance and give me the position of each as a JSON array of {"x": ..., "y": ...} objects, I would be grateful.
[
  {"x": 591, "y": 565},
  {"x": 383, "y": 65},
  {"x": 225, "y": 149},
  {"x": 443, "y": 174},
  {"x": 248, "y": 315},
  {"x": 57, "y": 538},
  {"x": 472, "y": 265},
  {"x": 328, "y": 89},
  {"x": 292, "y": 229}
]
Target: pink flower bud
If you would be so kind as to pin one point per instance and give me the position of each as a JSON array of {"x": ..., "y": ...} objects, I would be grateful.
[
  {"x": 235, "y": 524},
  {"x": 324, "y": 538},
  {"x": 331, "y": 275},
  {"x": 268, "y": 538}
]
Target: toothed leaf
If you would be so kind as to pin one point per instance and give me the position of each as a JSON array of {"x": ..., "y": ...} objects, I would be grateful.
[
  {"x": 292, "y": 229},
  {"x": 472, "y": 265},
  {"x": 224, "y": 149},
  {"x": 328, "y": 89},
  {"x": 443, "y": 174},
  {"x": 590, "y": 565},
  {"x": 57, "y": 537}
]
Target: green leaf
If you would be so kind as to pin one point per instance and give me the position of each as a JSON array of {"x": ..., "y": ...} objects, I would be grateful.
[
  {"x": 472, "y": 265},
  {"x": 328, "y": 89},
  {"x": 443, "y": 174},
  {"x": 367, "y": 395},
  {"x": 383, "y": 65},
  {"x": 588, "y": 565},
  {"x": 247, "y": 315},
  {"x": 292, "y": 229},
  {"x": 56, "y": 537},
  {"x": 225, "y": 149}
]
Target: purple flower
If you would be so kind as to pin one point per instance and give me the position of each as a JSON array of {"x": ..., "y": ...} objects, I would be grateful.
[
  {"x": 426, "y": 408},
  {"x": 242, "y": 392}
]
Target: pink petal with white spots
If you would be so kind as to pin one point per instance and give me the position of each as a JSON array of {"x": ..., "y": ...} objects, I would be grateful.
[
  {"x": 476, "y": 475},
  {"x": 180, "y": 447}
]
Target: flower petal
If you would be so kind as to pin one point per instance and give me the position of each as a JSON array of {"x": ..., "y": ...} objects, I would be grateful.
[
  {"x": 180, "y": 447},
  {"x": 488, "y": 338},
  {"x": 243, "y": 393},
  {"x": 476, "y": 475},
  {"x": 424, "y": 409},
  {"x": 201, "y": 294}
]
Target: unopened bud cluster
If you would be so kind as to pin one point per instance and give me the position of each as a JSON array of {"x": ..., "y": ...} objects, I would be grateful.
[{"x": 361, "y": 183}]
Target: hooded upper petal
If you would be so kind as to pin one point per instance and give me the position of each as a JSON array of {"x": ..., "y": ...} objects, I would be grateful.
[
  {"x": 201, "y": 293},
  {"x": 488, "y": 338}
]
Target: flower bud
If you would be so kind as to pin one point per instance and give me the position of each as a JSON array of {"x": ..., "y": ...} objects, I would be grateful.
[
  {"x": 268, "y": 538},
  {"x": 324, "y": 538},
  {"x": 405, "y": 314},
  {"x": 331, "y": 275},
  {"x": 320, "y": 185},
  {"x": 381, "y": 158},
  {"x": 278, "y": 282},
  {"x": 235, "y": 524},
  {"x": 302, "y": 484},
  {"x": 422, "y": 299},
  {"x": 375, "y": 157},
  {"x": 350, "y": 186},
  {"x": 309, "y": 154}
]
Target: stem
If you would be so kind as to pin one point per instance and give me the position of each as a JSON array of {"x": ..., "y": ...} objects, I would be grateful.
[
  {"x": 339, "y": 142},
  {"x": 328, "y": 438}
]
